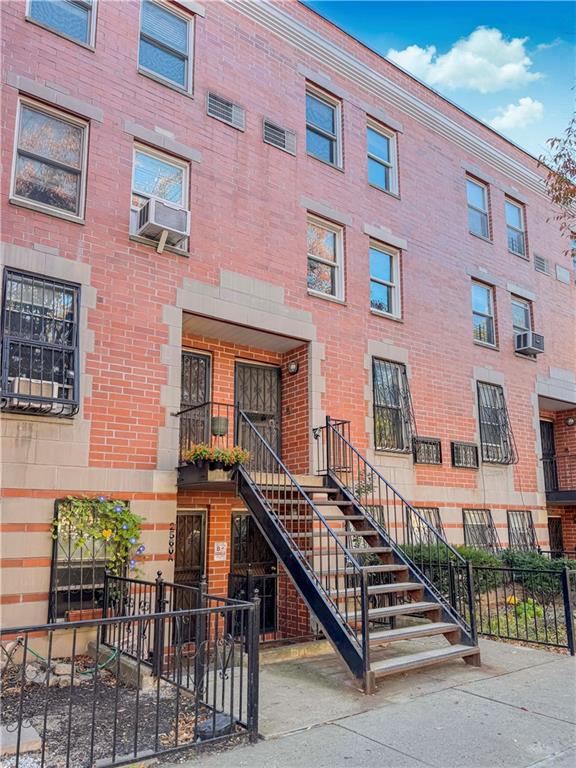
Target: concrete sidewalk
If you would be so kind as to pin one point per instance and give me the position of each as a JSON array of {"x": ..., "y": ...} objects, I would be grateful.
[{"x": 517, "y": 710}]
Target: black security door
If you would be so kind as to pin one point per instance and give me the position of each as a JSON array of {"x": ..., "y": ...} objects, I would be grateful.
[
  {"x": 549, "y": 455},
  {"x": 555, "y": 536},
  {"x": 258, "y": 394},
  {"x": 195, "y": 390},
  {"x": 188, "y": 568}
]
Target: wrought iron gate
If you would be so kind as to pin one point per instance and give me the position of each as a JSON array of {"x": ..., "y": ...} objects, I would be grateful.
[
  {"x": 549, "y": 455},
  {"x": 195, "y": 390},
  {"x": 190, "y": 558}
]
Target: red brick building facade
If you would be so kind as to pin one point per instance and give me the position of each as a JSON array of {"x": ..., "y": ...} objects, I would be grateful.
[{"x": 344, "y": 217}]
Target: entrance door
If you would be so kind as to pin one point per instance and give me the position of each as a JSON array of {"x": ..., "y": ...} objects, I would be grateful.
[
  {"x": 555, "y": 536},
  {"x": 188, "y": 569},
  {"x": 253, "y": 566},
  {"x": 194, "y": 391},
  {"x": 258, "y": 393},
  {"x": 549, "y": 455}
]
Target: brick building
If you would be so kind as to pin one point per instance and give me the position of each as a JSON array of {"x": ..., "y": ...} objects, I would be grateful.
[{"x": 358, "y": 247}]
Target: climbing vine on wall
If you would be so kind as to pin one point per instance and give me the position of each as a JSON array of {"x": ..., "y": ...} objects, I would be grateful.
[{"x": 86, "y": 520}]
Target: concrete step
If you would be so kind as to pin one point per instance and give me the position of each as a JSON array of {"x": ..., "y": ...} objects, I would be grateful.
[
  {"x": 422, "y": 659},
  {"x": 415, "y": 631},
  {"x": 382, "y": 568},
  {"x": 384, "y": 589}
]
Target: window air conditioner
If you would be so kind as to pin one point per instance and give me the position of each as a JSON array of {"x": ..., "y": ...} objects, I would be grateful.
[
  {"x": 32, "y": 388},
  {"x": 163, "y": 222},
  {"x": 529, "y": 343}
]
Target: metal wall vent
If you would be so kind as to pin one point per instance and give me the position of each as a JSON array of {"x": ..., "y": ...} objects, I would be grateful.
[
  {"x": 226, "y": 111},
  {"x": 541, "y": 265},
  {"x": 279, "y": 137}
]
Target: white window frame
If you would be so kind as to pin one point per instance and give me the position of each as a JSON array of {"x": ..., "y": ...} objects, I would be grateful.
[
  {"x": 189, "y": 19},
  {"x": 336, "y": 105},
  {"x": 522, "y": 231},
  {"x": 393, "y": 164},
  {"x": 171, "y": 160},
  {"x": 90, "y": 43},
  {"x": 337, "y": 265},
  {"x": 394, "y": 253},
  {"x": 491, "y": 316},
  {"x": 33, "y": 204},
  {"x": 484, "y": 211},
  {"x": 528, "y": 305}
]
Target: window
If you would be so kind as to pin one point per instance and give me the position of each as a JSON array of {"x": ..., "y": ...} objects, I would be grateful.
[
  {"x": 325, "y": 259},
  {"x": 478, "y": 223},
  {"x": 393, "y": 417},
  {"x": 515, "y": 228},
  {"x": 427, "y": 450},
  {"x": 521, "y": 315},
  {"x": 521, "y": 533},
  {"x": 464, "y": 455},
  {"x": 496, "y": 436},
  {"x": 479, "y": 530},
  {"x": 323, "y": 127},
  {"x": 382, "y": 159},
  {"x": 157, "y": 175},
  {"x": 418, "y": 531},
  {"x": 166, "y": 45},
  {"x": 384, "y": 280},
  {"x": 39, "y": 345},
  {"x": 483, "y": 313},
  {"x": 77, "y": 576},
  {"x": 75, "y": 19},
  {"x": 50, "y": 161}
]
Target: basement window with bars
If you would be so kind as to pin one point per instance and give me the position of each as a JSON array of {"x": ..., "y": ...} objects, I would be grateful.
[
  {"x": 464, "y": 455},
  {"x": 479, "y": 530},
  {"x": 77, "y": 574},
  {"x": 394, "y": 422},
  {"x": 39, "y": 345},
  {"x": 521, "y": 531},
  {"x": 497, "y": 440},
  {"x": 418, "y": 531}
]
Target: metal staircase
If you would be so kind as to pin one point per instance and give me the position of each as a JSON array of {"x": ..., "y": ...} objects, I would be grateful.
[{"x": 349, "y": 546}]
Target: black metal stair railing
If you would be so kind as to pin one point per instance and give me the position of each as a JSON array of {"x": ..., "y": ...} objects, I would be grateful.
[
  {"x": 324, "y": 571},
  {"x": 441, "y": 568}
]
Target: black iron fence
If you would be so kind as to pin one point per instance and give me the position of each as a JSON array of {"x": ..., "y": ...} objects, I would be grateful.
[{"x": 113, "y": 690}]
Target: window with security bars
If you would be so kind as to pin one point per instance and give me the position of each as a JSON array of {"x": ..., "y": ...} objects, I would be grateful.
[
  {"x": 418, "y": 531},
  {"x": 77, "y": 575},
  {"x": 427, "y": 450},
  {"x": 496, "y": 438},
  {"x": 464, "y": 455},
  {"x": 479, "y": 530},
  {"x": 521, "y": 532},
  {"x": 39, "y": 345},
  {"x": 393, "y": 415}
]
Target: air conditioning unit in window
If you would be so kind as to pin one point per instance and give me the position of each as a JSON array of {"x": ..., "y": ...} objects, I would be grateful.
[
  {"x": 529, "y": 343},
  {"x": 164, "y": 222},
  {"x": 32, "y": 388}
]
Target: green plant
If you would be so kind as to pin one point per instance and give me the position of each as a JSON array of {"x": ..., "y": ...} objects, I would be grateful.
[
  {"x": 87, "y": 519},
  {"x": 543, "y": 577},
  {"x": 229, "y": 457}
]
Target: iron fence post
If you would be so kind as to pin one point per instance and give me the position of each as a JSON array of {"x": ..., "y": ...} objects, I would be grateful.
[
  {"x": 451, "y": 584},
  {"x": 104, "y": 607},
  {"x": 568, "y": 613},
  {"x": 158, "y": 648},
  {"x": 369, "y": 682},
  {"x": 200, "y": 650},
  {"x": 328, "y": 452},
  {"x": 471, "y": 601},
  {"x": 253, "y": 668}
]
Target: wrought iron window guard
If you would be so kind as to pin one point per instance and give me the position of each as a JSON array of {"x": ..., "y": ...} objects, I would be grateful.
[
  {"x": 479, "y": 530},
  {"x": 427, "y": 450},
  {"x": 464, "y": 455},
  {"x": 496, "y": 436}
]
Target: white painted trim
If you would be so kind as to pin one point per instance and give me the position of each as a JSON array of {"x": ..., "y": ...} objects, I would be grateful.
[
  {"x": 339, "y": 282},
  {"x": 90, "y": 43},
  {"x": 377, "y": 127},
  {"x": 331, "y": 56},
  {"x": 396, "y": 286},
  {"x": 336, "y": 104}
]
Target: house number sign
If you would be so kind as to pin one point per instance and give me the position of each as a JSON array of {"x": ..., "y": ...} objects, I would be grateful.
[{"x": 220, "y": 550}]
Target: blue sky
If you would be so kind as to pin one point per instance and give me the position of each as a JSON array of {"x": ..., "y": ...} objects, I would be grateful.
[{"x": 511, "y": 64}]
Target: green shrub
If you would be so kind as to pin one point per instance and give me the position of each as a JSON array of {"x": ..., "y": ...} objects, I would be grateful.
[{"x": 544, "y": 578}]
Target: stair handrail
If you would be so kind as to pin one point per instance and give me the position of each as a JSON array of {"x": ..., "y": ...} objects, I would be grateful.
[
  {"x": 334, "y": 429},
  {"x": 354, "y": 568}
]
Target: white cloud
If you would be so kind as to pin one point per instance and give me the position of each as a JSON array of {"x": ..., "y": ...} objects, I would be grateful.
[
  {"x": 484, "y": 61},
  {"x": 520, "y": 115},
  {"x": 547, "y": 46}
]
